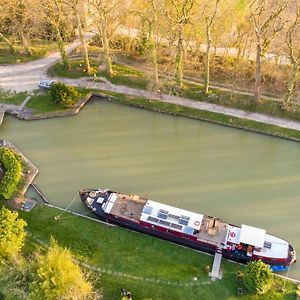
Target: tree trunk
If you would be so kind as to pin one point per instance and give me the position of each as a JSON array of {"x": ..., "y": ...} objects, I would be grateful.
[
  {"x": 62, "y": 50},
  {"x": 207, "y": 60},
  {"x": 8, "y": 43},
  {"x": 105, "y": 41},
  {"x": 291, "y": 86},
  {"x": 25, "y": 43},
  {"x": 257, "y": 85},
  {"x": 85, "y": 50},
  {"x": 179, "y": 56},
  {"x": 153, "y": 58}
]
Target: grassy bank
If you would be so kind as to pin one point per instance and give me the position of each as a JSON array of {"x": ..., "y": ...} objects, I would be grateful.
[
  {"x": 120, "y": 250},
  {"x": 43, "y": 102},
  {"x": 138, "y": 78},
  {"x": 12, "y": 98},
  {"x": 39, "y": 49},
  {"x": 155, "y": 105}
]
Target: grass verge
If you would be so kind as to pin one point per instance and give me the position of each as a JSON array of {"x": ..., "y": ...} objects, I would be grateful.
[
  {"x": 120, "y": 250},
  {"x": 12, "y": 98}
]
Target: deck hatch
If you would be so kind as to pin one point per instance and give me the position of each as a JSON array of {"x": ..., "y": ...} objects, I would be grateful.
[{"x": 184, "y": 220}]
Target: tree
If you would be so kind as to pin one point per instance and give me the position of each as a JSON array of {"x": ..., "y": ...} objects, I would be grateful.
[
  {"x": 58, "y": 277},
  {"x": 107, "y": 15},
  {"x": 63, "y": 95},
  {"x": 150, "y": 13},
  {"x": 75, "y": 6},
  {"x": 210, "y": 11},
  {"x": 54, "y": 9},
  {"x": 180, "y": 15},
  {"x": 266, "y": 21},
  {"x": 12, "y": 234},
  {"x": 293, "y": 45},
  {"x": 258, "y": 277}
]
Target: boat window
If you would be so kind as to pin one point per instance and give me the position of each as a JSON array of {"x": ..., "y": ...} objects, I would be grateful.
[
  {"x": 267, "y": 245},
  {"x": 176, "y": 226},
  {"x": 162, "y": 214},
  {"x": 147, "y": 210},
  {"x": 183, "y": 222},
  {"x": 151, "y": 219},
  {"x": 165, "y": 223},
  {"x": 173, "y": 216}
]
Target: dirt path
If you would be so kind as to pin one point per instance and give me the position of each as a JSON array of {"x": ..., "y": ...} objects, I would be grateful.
[{"x": 26, "y": 76}]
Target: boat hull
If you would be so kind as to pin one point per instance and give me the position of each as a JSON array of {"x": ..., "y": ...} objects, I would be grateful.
[{"x": 161, "y": 233}]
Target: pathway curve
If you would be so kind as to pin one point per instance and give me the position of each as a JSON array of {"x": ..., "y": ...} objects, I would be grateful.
[
  {"x": 26, "y": 76},
  {"x": 105, "y": 85}
]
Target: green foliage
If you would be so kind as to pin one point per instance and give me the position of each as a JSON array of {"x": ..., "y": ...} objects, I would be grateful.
[
  {"x": 12, "y": 234},
  {"x": 63, "y": 95},
  {"x": 12, "y": 168},
  {"x": 258, "y": 277},
  {"x": 58, "y": 277}
]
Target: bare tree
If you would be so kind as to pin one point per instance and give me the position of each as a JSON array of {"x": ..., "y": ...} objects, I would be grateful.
[
  {"x": 76, "y": 7},
  {"x": 149, "y": 13},
  {"x": 181, "y": 18},
  {"x": 54, "y": 10},
  {"x": 210, "y": 11},
  {"x": 293, "y": 46},
  {"x": 266, "y": 20},
  {"x": 106, "y": 15}
]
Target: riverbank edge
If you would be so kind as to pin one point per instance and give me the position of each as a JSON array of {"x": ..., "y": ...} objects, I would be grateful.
[
  {"x": 176, "y": 110},
  {"x": 228, "y": 120}
]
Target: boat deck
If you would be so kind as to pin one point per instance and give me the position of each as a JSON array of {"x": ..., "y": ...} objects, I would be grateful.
[
  {"x": 213, "y": 230},
  {"x": 129, "y": 207}
]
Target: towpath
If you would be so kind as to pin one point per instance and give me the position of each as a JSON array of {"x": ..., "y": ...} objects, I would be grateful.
[{"x": 106, "y": 85}]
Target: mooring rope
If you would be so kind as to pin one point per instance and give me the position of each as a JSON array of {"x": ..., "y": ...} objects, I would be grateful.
[{"x": 58, "y": 217}]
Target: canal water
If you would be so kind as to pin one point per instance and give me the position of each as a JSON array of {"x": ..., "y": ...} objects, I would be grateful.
[{"x": 232, "y": 174}]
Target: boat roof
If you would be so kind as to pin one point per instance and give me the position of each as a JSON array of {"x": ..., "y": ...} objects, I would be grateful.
[
  {"x": 252, "y": 236},
  {"x": 171, "y": 217}
]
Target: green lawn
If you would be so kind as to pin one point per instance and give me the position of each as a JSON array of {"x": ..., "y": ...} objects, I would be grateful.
[
  {"x": 123, "y": 75},
  {"x": 43, "y": 103},
  {"x": 39, "y": 49},
  {"x": 11, "y": 98},
  {"x": 121, "y": 250}
]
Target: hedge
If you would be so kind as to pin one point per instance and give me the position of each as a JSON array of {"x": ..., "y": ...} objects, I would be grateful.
[{"x": 12, "y": 173}]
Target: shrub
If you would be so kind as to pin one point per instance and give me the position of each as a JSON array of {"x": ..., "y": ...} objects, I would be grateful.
[
  {"x": 63, "y": 95},
  {"x": 12, "y": 234},
  {"x": 58, "y": 277},
  {"x": 12, "y": 173},
  {"x": 258, "y": 277}
]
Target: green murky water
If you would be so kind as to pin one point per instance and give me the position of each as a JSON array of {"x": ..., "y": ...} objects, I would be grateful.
[{"x": 238, "y": 176}]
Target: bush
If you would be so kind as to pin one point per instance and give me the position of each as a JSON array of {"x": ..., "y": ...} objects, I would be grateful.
[
  {"x": 63, "y": 95},
  {"x": 12, "y": 173},
  {"x": 258, "y": 277},
  {"x": 58, "y": 277},
  {"x": 12, "y": 234}
]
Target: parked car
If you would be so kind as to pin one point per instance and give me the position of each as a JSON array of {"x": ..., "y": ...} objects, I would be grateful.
[{"x": 46, "y": 84}]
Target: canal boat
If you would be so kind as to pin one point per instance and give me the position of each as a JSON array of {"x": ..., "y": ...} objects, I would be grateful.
[{"x": 201, "y": 232}]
